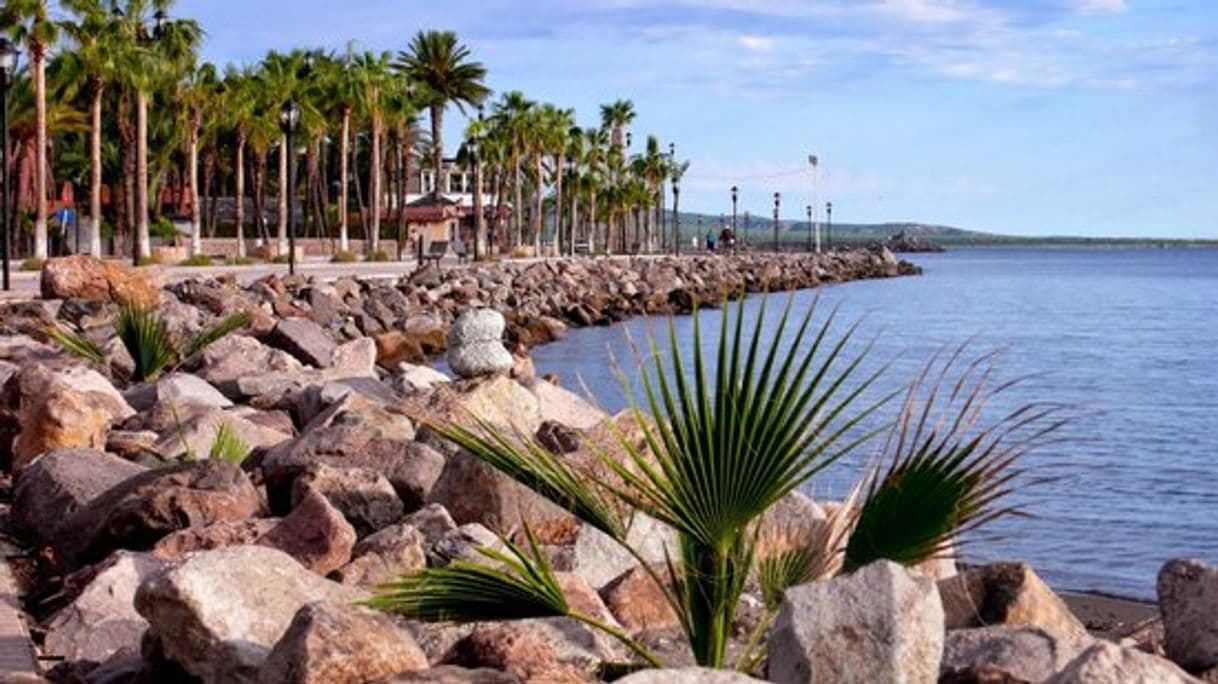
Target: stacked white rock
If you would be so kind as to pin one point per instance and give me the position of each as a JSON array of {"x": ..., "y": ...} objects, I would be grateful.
[{"x": 475, "y": 345}]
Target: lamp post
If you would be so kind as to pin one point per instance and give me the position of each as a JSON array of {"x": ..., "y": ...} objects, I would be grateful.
[
  {"x": 815, "y": 162},
  {"x": 809, "y": 227},
  {"x": 474, "y": 143},
  {"x": 289, "y": 120},
  {"x": 735, "y": 196},
  {"x": 777, "y": 199},
  {"x": 829, "y": 215},
  {"x": 676, "y": 212},
  {"x": 672, "y": 164},
  {"x": 8, "y": 68}
]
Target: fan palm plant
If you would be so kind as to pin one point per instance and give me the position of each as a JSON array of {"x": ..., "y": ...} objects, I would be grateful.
[
  {"x": 147, "y": 338},
  {"x": 720, "y": 449}
]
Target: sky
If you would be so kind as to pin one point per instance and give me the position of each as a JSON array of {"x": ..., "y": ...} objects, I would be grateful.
[{"x": 1030, "y": 117}]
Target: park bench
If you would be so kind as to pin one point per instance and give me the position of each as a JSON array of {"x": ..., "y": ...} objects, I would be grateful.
[
  {"x": 583, "y": 248},
  {"x": 436, "y": 251}
]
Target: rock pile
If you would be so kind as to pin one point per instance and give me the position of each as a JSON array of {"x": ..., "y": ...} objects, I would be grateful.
[{"x": 157, "y": 567}]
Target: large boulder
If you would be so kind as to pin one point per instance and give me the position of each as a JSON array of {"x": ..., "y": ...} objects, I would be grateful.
[
  {"x": 600, "y": 559},
  {"x": 218, "y": 535},
  {"x": 102, "y": 620},
  {"x": 1107, "y": 663},
  {"x": 333, "y": 643},
  {"x": 880, "y": 624},
  {"x": 688, "y": 675},
  {"x": 1188, "y": 600},
  {"x": 1006, "y": 594},
  {"x": 196, "y": 430},
  {"x": 90, "y": 279},
  {"x": 139, "y": 511},
  {"x": 411, "y": 467},
  {"x": 380, "y": 557},
  {"x": 59, "y": 483},
  {"x": 638, "y": 603},
  {"x": 242, "y": 367},
  {"x": 305, "y": 340},
  {"x": 475, "y": 344},
  {"x": 314, "y": 533},
  {"x": 69, "y": 408},
  {"x": 1023, "y": 653},
  {"x": 219, "y": 613},
  {"x": 365, "y": 497}
]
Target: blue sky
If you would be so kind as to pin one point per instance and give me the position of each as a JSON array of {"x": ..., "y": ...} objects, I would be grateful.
[{"x": 1091, "y": 117}]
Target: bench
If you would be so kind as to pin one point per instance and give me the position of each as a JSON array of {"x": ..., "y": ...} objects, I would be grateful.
[
  {"x": 461, "y": 249},
  {"x": 583, "y": 248},
  {"x": 436, "y": 251}
]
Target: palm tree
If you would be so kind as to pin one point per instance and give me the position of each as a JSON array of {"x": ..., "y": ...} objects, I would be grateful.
[
  {"x": 96, "y": 60},
  {"x": 442, "y": 68},
  {"x": 512, "y": 114},
  {"x": 30, "y": 23},
  {"x": 239, "y": 104},
  {"x": 277, "y": 80},
  {"x": 615, "y": 117},
  {"x": 374, "y": 80},
  {"x": 340, "y": 89},
  {"x": 194, "y": 94}
]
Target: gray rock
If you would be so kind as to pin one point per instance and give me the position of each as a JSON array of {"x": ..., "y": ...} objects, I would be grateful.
[
  {"x": 463, "y": 543},
  {"x": 1107, "y": 663},
  {"x": 233, "y": 363},
  {"x": 219, "y": 613},
  {"x": 475, "y": 345},
  {"x": 394, "y": 551},
  {"x": 411, "y": 378},
  {"x": 452, "y": 674},
  {"x": 1025, "y": 653},
  {"x": 1188, "y": 600},
  {"x": 432, "y": 520},
  {"x": 880, "y": 624},
  {"x": 58, "y": 484},
  {"x": 305, "y": 340},
  {"x": 600, "y": 560},
  {"x": 197, "y": 432},
  {"x": 102, "y": 620},
  {"x": 180, "y": 389}
]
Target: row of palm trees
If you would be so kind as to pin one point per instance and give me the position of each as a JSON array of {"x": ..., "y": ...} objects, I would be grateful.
[{"x": 114, "y": 99}]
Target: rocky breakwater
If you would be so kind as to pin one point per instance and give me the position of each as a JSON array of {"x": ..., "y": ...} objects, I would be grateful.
[{"x": 152, "y": 556}]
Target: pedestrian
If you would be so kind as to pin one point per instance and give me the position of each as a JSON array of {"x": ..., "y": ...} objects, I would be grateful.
[{"x": 710, "y": 241}]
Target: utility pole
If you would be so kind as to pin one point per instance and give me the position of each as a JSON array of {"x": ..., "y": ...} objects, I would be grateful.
[
  {"x": 815, "y": 162},
  {"x": 777, "y": 199}
]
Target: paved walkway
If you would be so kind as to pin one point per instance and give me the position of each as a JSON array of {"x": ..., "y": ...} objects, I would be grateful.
[{"x": 17, "y": 654}]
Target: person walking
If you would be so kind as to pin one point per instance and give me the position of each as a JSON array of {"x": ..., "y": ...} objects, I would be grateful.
[{"x": 710, "y": 241}]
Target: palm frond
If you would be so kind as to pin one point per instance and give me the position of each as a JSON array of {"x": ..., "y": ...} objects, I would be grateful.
[
  {"x": 228, "y": 446},
  {"x": 948, "y": 473},
  {"x": 214, "y": 334},
  {"x": 77, "y": 344},
  {"x": 804, "y": 551},
  {"x": 524, "y": 460},
  {"x": 147, "y": 339},
  {"x": 522, "y": 586}
]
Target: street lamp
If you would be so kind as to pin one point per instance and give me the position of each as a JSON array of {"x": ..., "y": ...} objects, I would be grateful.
[
  {"x": 777, "y": 199},
  {"x": 815, "y": 162},
  {"x": 672, "y": 164},
  {"x": 829, "y": 213},
  {"x": 676, "y": 211},
  {"x": 473, "y": 145},
  {"x": 8, "y": 69},
  {"x": 735, "y": 196},
  {"x": 158, "y": 24},
  {"x": 289, "y": 121},
  {"x": 809, "y": 227}
]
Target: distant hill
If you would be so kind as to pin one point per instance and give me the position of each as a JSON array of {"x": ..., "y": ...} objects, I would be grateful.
[{"x": 762, "y": 230}]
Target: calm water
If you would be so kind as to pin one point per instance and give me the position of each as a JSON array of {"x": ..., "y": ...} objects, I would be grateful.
[{"x": 1128, "y": 336}]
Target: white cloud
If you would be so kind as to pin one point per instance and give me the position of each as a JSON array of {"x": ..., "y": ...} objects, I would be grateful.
[
  {"x": 1098, "y": 6},
  {"x": 755, "y": 43}
]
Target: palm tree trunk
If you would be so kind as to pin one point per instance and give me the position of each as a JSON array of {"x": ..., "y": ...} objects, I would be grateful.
[
  {"x": 437, "y": 144},
  {"x": 240, "y": 192},
  {"x": 141, "y": 174},
  {"x": 209, "y": 170},
  {"x": 592, "y": 220},
  {"x": 518, "y": 208},
  {"x": 374, "y": 190},
  {"x": 574, "y": 221},
  {"x": 344, "y": 239},
  {"x": 192, "y": 175},
  {"x": 38, "y": 54},
  {"x": 284, "y": 184},
  {"x": 560, "y": 163},
  {"x": 95, "y": 170},
  {"x": 539, "y": 216}
]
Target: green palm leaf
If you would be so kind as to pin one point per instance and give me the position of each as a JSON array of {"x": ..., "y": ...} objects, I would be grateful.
[
  {"x": 77, "y": 344},
  {"x": 147, "y": 339},
  {"x": 947, "y": 474},
  {"x": 228, "y": 446}
]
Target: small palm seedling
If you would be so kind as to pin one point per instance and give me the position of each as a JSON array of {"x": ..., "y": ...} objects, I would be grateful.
[
  {"x": 716, "y": 456},
  {"x": 148, "y": 339}
]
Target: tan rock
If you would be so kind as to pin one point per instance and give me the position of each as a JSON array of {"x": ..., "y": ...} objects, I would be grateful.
[
  {"x": 379, "y": 558},
  {"x": 334, "y": 643},
  {"x": 639, "y": 603},
  {"x": 1107, "y": 663},
  {"x": 555, "y": 649},
  {"x": 315, "y": 533},
  {"x": 215, "y": 536},
  {"x": 68, "y": 408},
  {"x": 84, "y": 277},
  {"x": 1006, "y": 594}
]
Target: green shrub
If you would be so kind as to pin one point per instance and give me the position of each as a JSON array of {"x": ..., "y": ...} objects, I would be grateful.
[
  {"x": 241, "y": 261},
  {"x": 32, "y": 264},
  {"x": 281, "y": 259},
  {"x": 164, "y": 229},
  {"x": 197, "y": 260},
  {"x": 151, "y": 260},
  {"x": 379, "y": 255},
  {"x": 343, "y": 258}
]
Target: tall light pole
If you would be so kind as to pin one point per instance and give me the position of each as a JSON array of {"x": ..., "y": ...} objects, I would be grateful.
[
  {"x": 672, "y": 165},
  {"x": 815, "y": 162},
  {"x": 777, "y": 199},
  {"x": 8, "y": 68},
  {"x": 829, "y": 214},
  {"x": 735, "y": 196},
  {"x": 676, "y": 210},
  {"x": 809, "y": 227},
  {"x": 289, "y": 120},
  {"x": 473, "y": 146}
]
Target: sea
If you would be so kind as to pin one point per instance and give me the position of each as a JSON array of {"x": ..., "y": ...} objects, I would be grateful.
[{"x": 1126, "y": 339}]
